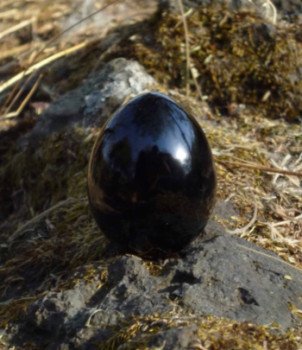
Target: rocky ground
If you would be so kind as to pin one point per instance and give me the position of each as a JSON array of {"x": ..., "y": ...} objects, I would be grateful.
[
  {"x": 222, "y": 276},
  {"x": 239, "y": 285}
]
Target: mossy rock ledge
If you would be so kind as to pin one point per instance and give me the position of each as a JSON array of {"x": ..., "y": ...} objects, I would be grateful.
[
  {"x": 223, "y": 276},
  {"x": 62, "y": 287}
]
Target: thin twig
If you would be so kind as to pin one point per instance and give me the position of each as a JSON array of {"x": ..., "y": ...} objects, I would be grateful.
[
  {"x": 24, "y": 102},
  {"x": 28, "y": 71},
  {"x": 8, "y": 14},
  {"x": 11, "y": 99},
  {"x": 259, "y": 167},
  {"x": 197, "y": 86},
  {"x": 16, "y": 28},
  {"x": 39, "y": 217},
  {"x": 87, "y": 323},
  {"x": 14, "y": 52},
  {"x": 41, "y": 64},
  {"x": 188, "y": 61},
  {"x": 241, "y": 230},
  {"x": 7, "y": 3},
  {"x": 76, "y": 24},
  {"x": 270, "y": 257}
]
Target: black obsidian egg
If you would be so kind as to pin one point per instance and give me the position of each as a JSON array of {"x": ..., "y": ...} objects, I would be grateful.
[{"x": 151, "y": 178}]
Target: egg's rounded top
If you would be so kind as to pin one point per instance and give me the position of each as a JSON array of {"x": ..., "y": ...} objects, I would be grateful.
[{"x": 151, "y": 169}]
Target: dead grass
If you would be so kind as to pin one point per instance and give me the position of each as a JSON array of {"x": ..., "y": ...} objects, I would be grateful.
[
  {"x": 211, "y": 333},
  {"x": 234, "y": 58},
  {"x": 47, "y": 231}
]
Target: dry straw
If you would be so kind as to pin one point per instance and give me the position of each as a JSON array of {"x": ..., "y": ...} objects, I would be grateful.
[{"x": 250, "y": 152}]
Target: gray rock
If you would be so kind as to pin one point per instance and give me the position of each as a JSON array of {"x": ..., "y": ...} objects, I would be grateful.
[
  {"x": 220, "y": 275},
  {"x": 134, "y": 292},
  {"x": 92, "y": 102},
  {"x": 229, "y": 277}
]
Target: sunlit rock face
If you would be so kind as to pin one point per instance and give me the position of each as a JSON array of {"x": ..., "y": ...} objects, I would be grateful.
[{"x": 151, "y": 178}]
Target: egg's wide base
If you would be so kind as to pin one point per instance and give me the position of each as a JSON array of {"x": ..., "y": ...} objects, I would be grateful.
[{"x": 150, "y": 235}]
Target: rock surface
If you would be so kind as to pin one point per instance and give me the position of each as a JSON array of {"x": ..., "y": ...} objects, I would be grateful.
[
  {"x": 93, "y": 101},
  {"x": 220, "y": 275}
]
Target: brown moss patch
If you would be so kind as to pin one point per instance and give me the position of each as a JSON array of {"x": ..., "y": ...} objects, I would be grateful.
[
  {"x": 235, "y": 57},
  {"x": 51, "y": 230},
  {"x": 212, "y": 333}
]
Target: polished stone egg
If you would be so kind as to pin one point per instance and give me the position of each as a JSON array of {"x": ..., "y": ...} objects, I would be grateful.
[{"x": 151, "y": 177}]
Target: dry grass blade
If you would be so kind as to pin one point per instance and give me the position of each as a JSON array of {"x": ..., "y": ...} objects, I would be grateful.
[
  {"x": 41, "y": 64},
  {"x": 260, "y": 167},
  {"x": 16, "y": 28},
  {"x": 242, "y": 230},
  {"x": 78, "y": 23},
  {"x": 188, "y": 61},
  {"x": 39, "y": 217},
  {"x": 49, "y": 247},
  {"x": 24, "y": 102},
  {"x": 15, "y": 51},
  {"x": 8, "y": 14},
  {"x": 7, "y": 3},
  {"x": 270, "y": 257}
]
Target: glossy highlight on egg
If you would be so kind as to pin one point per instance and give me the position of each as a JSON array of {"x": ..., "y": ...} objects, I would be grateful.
[{"x": 151, "y": 177}]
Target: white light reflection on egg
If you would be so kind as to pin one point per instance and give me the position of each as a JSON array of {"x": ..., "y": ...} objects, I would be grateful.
[{"x": 181, "y": 154}]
